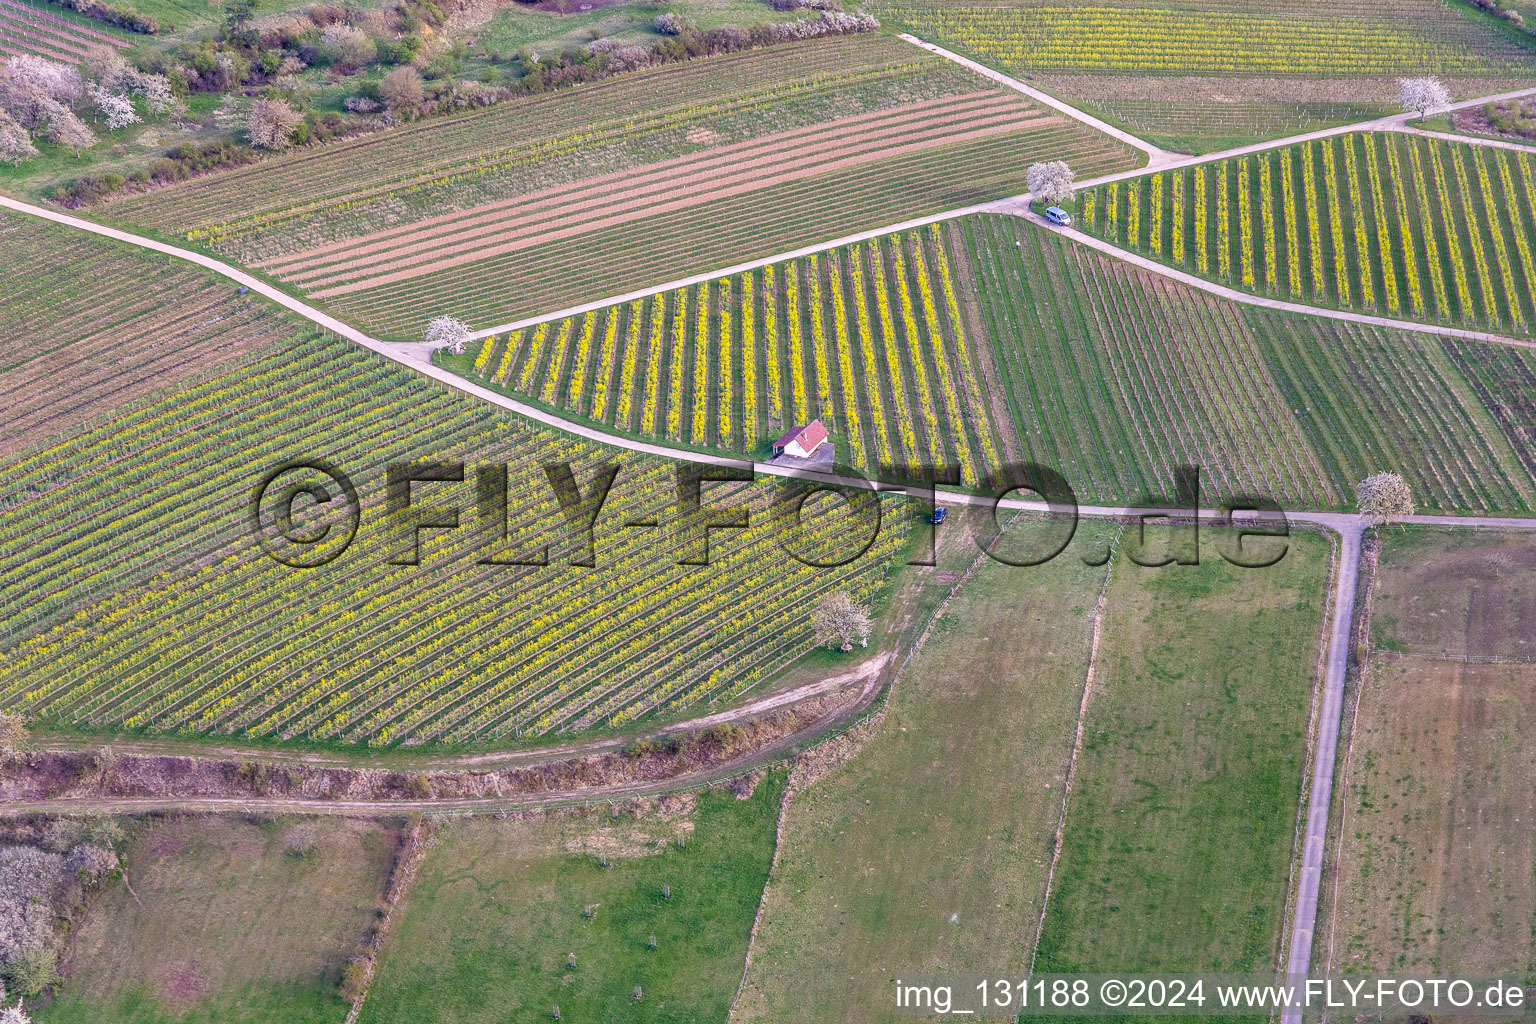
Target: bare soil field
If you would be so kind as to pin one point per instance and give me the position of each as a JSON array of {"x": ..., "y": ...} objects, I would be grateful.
[
  {"x": 1435, "y": 870},
  {"x": 1456, "y": 593},
  {"x": 1434, "y": 865}
]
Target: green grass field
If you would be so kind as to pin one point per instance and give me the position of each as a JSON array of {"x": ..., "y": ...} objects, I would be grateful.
[
  {"x": 228, "y": 928},
  {"x": 1183, "y": 811},
  {"x": 1408, "y": 227},
  {"x": 928, "y": 851},
  {"x": 500, "y": 906}
]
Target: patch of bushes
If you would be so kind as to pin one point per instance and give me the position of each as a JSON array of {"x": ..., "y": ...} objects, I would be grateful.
[
  {"x": 1511, "y": 117},
  {"x": 184, "y": 161},
  {"x": 681, "y": 42},
  {"x": 1500, "y": 9},
  {"x": 122, "y": 17}
]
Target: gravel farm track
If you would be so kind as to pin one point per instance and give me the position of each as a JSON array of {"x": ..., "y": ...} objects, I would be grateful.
[{"x": 874, "y": 676}]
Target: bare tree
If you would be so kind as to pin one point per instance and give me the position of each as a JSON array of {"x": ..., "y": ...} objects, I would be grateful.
[
  {"x": 839, "y": 620},
  {"x": 1384, "y": 497},
  {"x": 402, "y": 92},
  {"x": 448, "y": 332},
  {"x": 14, "y": 1015},
  {"x": 301, "y": 839},
  {"x": 271, "y": 124},
  {"x": 1423, "y": 94},
  {"x": 106, "y": 67},
  {"x": 15, "y": 142}
]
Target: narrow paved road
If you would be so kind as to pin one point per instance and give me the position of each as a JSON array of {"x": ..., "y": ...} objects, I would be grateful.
[
  {"x": 1325, "y": 751},
  {"x": 1472, "y": 140},
  {"x": 1158, "y": 157},
  {"x": 413, "y": 357}
]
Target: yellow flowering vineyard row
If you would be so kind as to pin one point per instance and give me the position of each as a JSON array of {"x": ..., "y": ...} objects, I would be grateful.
[
  {"x": 1114, "y": 377},
  {"x": 1396, "y": 224},
  {"x": 226, "y": 640},
  {"x": 1147, "y": 39},
  {"x": 871, "y": 339}
]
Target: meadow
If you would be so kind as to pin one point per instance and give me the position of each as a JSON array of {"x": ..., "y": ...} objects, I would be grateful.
[
  {"x": 1433, "y": 862},
  {"x": 869, "y": 338},
  {"x": 1293, "y": 37},
  {"x": 214, "y": 933},
  {"x": 919, "y": 854},
  {"x": 1296, "y": 408},
  {"x": 1183, "y": 811},
  {"x": 628, "y": 919},
  {"x": 1404, "y": 226}
]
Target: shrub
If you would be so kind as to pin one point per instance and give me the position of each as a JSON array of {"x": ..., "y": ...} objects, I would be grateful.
[
  {"x": 349, "y": 48},
  {"x": 672, "y": 24},
  {"x": 300, "y": 840},
  {"x": 402, "y": 91},
  {"x": 122, "y": 17},
  {"x": 33, "y": 971},
  {"x": 354, "y": 979}
]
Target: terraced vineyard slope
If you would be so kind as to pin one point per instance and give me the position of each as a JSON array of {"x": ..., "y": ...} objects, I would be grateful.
[
  {"x": 498, "y": 628},
  {"x": 1115, "y": 375},
  {"x": 88, "y": 325},
  {"x": 870, "y": 338},
  {"x": 540, "y": 203},
  {"x": 1402, "y": 225},
  {"x": 1195, "y": 76},
  {"x": 1030, "y": 348},
  {"x": 1289, "y": 37},
  {"x": 476, "y": 641}
]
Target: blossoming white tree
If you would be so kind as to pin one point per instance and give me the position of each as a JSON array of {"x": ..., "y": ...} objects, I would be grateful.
[
  {"x": 448, "y": 332},
  {"x": 1422, "y": 94},
  {"x": 839, "y": 620},
  {"x": 271, "y": 124},
  {"x": 1383, "y": 497},
  {"x": 118, "y": 110},
  {"x": 1050, "y": 182}
]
